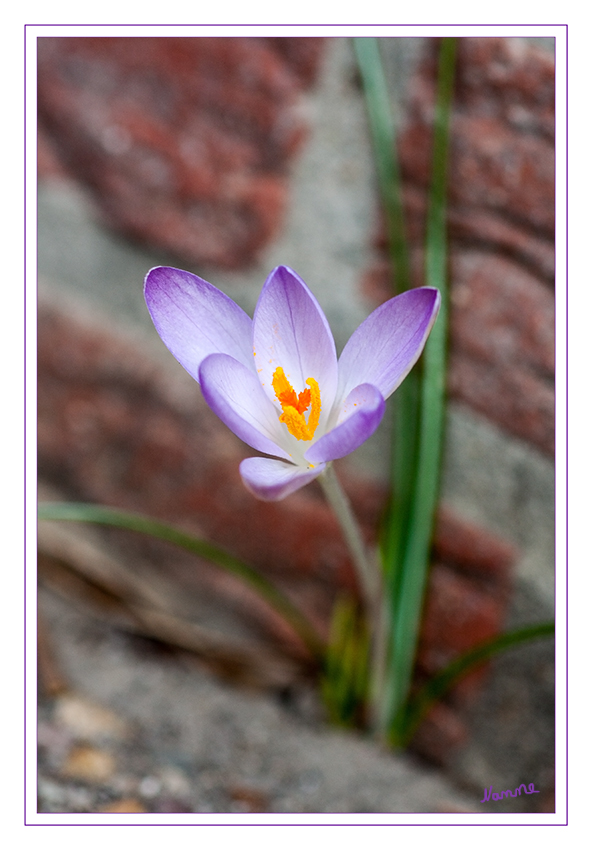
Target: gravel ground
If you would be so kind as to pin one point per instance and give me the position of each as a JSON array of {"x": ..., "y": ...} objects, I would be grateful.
[{"x": 143, "y": 731}]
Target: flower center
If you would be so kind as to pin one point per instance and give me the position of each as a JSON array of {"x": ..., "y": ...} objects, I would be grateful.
[{"x": 294, "y": 406}]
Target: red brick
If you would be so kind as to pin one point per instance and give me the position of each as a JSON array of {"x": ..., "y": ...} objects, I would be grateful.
[
  {"x": 502, "y": 159},
  {"x": 459, "y": 614},
  {"x": 441, "y": 732},
  {"x": 501, "y": 210},
  {"x": 519, "y": 402},
  {"x": 471, "y": 549},
  {"x": 184, "y": 143}
]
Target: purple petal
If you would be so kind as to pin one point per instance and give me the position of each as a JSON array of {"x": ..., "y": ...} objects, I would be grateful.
[
  {"x": 272, "y": 480},
  {"x": 235, "y": 395},
  {"x": 388, "y": 343},
  {"x": 290, "y": 330},
  {"x": 195, "y": 319},
  {"x": 358, "y": 419}
]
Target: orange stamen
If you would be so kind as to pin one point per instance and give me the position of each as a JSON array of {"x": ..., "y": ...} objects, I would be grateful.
[{"x": 294, "y": 406}]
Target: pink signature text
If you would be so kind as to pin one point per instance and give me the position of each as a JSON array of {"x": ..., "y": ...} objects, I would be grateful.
[{"x": 494, "y": 796}]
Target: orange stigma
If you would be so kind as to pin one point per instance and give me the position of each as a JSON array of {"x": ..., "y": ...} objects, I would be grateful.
[{"x": 294, "y": 406}]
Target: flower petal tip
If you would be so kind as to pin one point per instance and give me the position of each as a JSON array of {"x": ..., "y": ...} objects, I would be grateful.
[
  {"x": 271, "y": 480},
  {"x": 195, "y": 319}
]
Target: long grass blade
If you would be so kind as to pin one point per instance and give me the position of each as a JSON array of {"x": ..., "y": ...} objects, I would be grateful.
[
  {"x": 415, "y": 561},
  {"x": 382, "y": 131},
  {"x": 78, "y": 512},
  {"x": 406, "y": 401}
]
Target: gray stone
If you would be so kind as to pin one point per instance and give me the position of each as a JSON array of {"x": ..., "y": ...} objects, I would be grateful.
[{"x": 216, "y": 737}]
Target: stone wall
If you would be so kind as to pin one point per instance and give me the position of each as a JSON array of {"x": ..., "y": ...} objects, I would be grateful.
[{"x": 230, "y": 156}]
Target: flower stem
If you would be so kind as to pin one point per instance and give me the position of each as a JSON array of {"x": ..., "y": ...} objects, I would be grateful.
[
  {"x": 370, "y": 579},
  {"x": 367, "y": 572}
]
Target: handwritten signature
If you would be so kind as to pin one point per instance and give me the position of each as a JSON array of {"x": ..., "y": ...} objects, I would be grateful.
[{"x": 494, "y": 796}]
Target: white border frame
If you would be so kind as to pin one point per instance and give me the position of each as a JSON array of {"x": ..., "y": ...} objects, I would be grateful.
[{"x": 558, "y": 32}]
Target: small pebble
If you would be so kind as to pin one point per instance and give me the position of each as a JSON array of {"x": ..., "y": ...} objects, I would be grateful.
[
  {"x": 89, "y": 764},
  {"x": 87, "y": 720},
  {"x": 150, "y": 786},
  {"x": 124, "y": 806},
  {"x": 175, "y": 781}
]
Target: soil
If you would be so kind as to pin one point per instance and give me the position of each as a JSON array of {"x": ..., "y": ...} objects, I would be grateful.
[{"x": 139, "y": 730}]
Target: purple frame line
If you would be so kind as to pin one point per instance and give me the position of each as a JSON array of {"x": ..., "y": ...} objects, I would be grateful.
[
  {"x": 566, "y": 442},
  {"x": 496, "y": 823},
  {"x": 25, "y": 425}
]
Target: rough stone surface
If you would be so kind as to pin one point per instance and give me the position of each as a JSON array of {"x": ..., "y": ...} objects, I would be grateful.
[
  {"x": 490, "y": 479},
  {"x": 183, "y": 142},
  {"x": 502, "y": 360},
  {"x": 501, "y": 216},
  {"x": 502, "y": 162},
  {"x": 196, "y": 745},
  {"x": 501, "y": 483},
  {"x": 500, "y": 746}
]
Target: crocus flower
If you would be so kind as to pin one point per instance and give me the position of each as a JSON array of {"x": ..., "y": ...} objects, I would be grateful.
[{"x": 275, "y": 380}]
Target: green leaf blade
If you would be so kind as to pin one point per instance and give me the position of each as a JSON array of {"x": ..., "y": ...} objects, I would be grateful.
[
  {"x": 416, "y": 546},
  {"x": 101, "y": 515}
]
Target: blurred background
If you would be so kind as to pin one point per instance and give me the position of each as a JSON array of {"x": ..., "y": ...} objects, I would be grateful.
[{"x": 228, "y": 156}]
